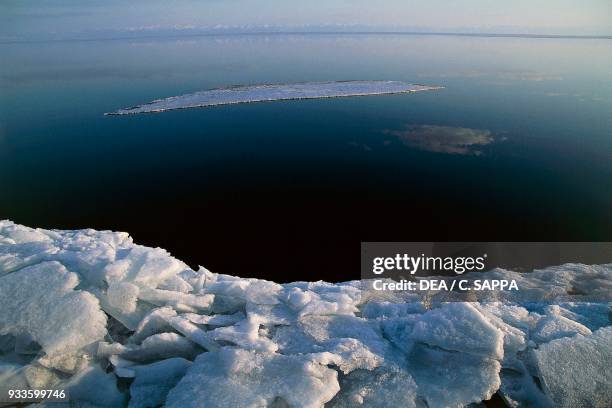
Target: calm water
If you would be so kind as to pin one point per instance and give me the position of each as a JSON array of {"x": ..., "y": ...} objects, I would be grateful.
[{"x": 517, "y": 147}]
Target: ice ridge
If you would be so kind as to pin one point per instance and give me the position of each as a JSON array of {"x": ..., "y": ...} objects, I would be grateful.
[{"x": 91, "y": 311}]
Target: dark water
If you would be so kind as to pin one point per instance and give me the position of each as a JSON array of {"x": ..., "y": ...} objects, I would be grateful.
[{"x": 517, "y": 147}]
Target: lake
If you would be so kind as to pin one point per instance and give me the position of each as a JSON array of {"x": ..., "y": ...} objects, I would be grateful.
[{"x": 516, "y": 147}]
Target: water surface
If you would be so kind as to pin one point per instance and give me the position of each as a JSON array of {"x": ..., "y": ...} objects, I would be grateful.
[{"x": 516, "y": 147}]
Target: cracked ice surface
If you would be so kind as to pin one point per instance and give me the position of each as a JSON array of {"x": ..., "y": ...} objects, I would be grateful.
[
  {"x": 278, "y": 92},
  {"x": 119, "y": 324}
]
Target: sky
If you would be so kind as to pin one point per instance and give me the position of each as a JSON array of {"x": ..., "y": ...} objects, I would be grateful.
[{"x": 65, "y": 18}]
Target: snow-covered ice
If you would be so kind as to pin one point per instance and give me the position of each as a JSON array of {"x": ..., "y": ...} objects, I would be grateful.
[
  {"x": 574, "y": 369},
  {"x": 233, "y": 377},
  {"x": 39, "y": 301},
  {"x": 119, "y": 324},
  {"x": 276, "y": 92}
]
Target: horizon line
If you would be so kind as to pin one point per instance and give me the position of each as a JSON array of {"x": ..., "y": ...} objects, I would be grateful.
[{"x": 221, "y": 33}]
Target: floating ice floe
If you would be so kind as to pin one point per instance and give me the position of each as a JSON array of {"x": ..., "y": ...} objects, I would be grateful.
[
  {"x": 276, "y": 92},
  {"x": 119, "y": 324}
]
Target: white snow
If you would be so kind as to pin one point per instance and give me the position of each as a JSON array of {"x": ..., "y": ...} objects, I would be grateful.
[
  {"x": 119, "y": 324},
  {"x": 280, "y": 92}
]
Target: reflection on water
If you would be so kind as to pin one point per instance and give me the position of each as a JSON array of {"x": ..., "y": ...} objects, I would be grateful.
[{"x": 444, "y": 139}]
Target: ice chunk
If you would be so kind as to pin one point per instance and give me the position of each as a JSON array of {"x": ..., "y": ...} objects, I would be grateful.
[
  {"x": 85, "y": 252},
  {"x": 559, "y": 283},
  {"x": 245, "y": 334},
  {"x": 515, "y": 340},
  {"x": 176, "y": 284},
  {"x": 324, "y": 328},
  {"x": 230, "y": 295},
  {"x": 514, "y": 315},
  {"x": 296, "y": 298},
  {"x": 347, "y": 354},
  {"x": 279, "y": 314},
  {"x": 161, "y": 346},
  {"x": 239, "y": 378},
  {"x": 330, "y": 304},
  {"x": 12, "y": 233},
  {"x": 335, "y": 343},
  {"x": 128, "y": 319},
  {"x": 554, "y": 326},
  {"x": 575, "y": 371},
  {"x": 215, "y": 320},
  {"x": 146, "y": 267},
  {"x": 94, "y": 387},
  {"x": 591, "y": 315},
  {"x": 123, "y": 296},
  {"x": 40, "y": 300},
  {"x": 198, "y": 279},
  {"x": 459, "y": 327},
  {"x": 16, "y": 256},
  {"x": 263, "y": 292},
  {"x": 330, "y": 299},
  {"x": 193, "y": 333},
  {"x": 381, "y": 388},
  {"x": 399, "y": 330},
  {"x": 594, "y": 280},
  {"x": 154, "y": 322},
  {"x": 153, "y": 382},
  {"x": 261, "y": 93},
  {"x": 68, "y": 363},
  {"x": 167, "y": 297},
  {"x": 235, "y": 288},
  {"x": 518, "y": 389},
  {"x": 39, "y": 377},
  {"x": 452, "y": 379},
  {"x": 105, "y": 350},
  {"x": 122, "y": 366}
]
